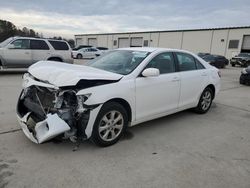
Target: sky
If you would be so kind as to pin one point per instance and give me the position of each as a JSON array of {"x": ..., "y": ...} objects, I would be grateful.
[{"x": 69, "y": 17}]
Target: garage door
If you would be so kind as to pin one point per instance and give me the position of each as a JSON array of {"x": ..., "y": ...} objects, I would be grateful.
[
  {"x": 123, "y": 42},
  {"x": 136, "y": 42},
  {"x": 78, "y": 41},
  {"x": 92, "y": 42},
  {"x": 246, "y": 43}
]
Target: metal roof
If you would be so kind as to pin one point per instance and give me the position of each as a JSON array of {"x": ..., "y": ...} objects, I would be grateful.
[{"x": 162, "y": 31}]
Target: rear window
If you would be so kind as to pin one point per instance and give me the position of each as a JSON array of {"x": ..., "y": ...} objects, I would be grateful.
[
  {"x": 38, "y": 45},
  {"x": 59, "y": 45}
]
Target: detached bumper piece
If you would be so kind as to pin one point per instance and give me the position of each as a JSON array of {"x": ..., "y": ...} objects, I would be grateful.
[{"x": 44, "y": 130}]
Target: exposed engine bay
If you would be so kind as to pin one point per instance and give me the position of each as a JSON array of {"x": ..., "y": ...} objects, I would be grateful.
[{"x": 46, "y": 112}]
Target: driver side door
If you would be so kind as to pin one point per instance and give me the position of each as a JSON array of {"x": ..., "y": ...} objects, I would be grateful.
[
  {"x": 156, "y": 96},
  {"x": 18, "y": 54}
]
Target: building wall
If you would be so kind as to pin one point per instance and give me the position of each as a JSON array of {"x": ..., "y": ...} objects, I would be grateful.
[{"x": 211, "y": 41}]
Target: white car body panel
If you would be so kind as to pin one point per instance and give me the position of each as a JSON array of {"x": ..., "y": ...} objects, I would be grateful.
[{"x": 148, "y": 97}]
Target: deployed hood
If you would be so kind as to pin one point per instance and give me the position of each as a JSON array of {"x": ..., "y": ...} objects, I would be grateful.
[{"x": 63, "y": 74}]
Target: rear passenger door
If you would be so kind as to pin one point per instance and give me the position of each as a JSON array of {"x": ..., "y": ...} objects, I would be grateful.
[
  {"x": 40, "y": 50},
  {"x": 193, "y": 76}
]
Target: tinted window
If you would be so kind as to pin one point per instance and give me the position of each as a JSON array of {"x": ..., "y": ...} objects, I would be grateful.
[
  {"x": 21, "y": 44},
  {"x": 59, "y": 45},
  {"x": 186, "y": 62},
  {"x": 164, "y": 62},
  {"x": 92, "y": 50},
  {"x": 38, "y": 45}
]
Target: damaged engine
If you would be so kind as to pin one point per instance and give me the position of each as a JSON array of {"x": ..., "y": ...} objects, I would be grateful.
[{"x": 40, "y": 101}]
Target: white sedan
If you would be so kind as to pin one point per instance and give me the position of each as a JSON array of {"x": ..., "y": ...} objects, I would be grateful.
[
  {"x": 89, "y": 53},
  {"x": 120, "y": 89}
]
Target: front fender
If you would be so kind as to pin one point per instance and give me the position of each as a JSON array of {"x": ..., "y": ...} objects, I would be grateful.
[{"x": 101, "y": 94}]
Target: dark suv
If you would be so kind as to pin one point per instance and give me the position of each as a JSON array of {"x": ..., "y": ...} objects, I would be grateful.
[{"x": 243, "y": 59}]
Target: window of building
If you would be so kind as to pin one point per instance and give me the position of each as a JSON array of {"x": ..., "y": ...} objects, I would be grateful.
[
  {"x": 233, "y": 44},
  {"x": 186, "y": 62},
  {"x": 115, "y": 42},
  {"x": 164, "y": 62},
  {"x": 59, "y": 45},
  {"x": 38, "y": 45}
]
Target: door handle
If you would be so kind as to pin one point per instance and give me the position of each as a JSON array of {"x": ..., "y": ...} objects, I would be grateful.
[
  {"x": 175, "y": 79},
  {"x": 204, "y": 74},
  {"x": 27, "y": 53}
]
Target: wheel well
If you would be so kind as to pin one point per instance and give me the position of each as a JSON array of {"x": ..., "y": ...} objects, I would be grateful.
[
  {"x": 125, "y": 104},
  {"x": 56, "y": 59},
  {"x": 1, "y": 63},
  {"x": 211, "y": 86}
]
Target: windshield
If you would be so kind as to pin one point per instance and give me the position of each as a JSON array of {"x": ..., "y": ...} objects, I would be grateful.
[
  {"x": 7, "y": 41},
  {"x": 244, "y": 55},
  {"x": 119, "y": 61}
]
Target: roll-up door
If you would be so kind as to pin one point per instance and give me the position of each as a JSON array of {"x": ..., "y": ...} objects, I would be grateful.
[
  {"x": 92, "y": 42},
  {"x": 123, "y": 42},
  {"x": 136, "y": 42}
]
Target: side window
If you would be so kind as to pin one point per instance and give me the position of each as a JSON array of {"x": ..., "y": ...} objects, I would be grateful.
[
  {"x": 186, "y": 62},
  {"x": 59, "y": 45},
  {"x": 164, "y": 62},
  {"x": 21, "y": 44},
  {"x": 199, "y": 65},
  {"x": 38, "y": 45}
]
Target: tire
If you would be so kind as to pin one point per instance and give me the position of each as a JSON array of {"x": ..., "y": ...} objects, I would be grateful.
[
  {"x": 233, "y": 65},
  {"x": 205, "y": 101},
  {"x": 79, "y": 56},
  {"x": 105, "y": 131}
]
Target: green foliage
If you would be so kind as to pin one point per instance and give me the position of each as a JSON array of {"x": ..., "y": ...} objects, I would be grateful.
[{"x": 8, "y": 29}]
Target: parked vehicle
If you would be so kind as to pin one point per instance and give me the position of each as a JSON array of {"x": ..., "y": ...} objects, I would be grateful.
[
  {"x": 201, "y": 54},
  {"x": 245, "y": 76},
  {"x": 82, "y": 46},
  {"x": 243, "y": 59},
  {"x": 86, "y": 53},
  {"x": 21, "y": 52},
  {"x": 121, "y": 88},
  {"x": 103, "y": 49},
  {"x": 216, "y": 60}
]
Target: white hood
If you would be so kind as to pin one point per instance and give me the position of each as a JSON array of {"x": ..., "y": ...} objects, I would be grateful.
[{"x": 63, "y": 74}]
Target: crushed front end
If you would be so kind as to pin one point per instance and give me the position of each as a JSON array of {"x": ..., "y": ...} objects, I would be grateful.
[{"x": 45, "y": 111}]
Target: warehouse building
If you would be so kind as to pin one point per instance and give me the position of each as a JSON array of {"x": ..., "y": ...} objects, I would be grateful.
[{"x": 221, "y": 41}]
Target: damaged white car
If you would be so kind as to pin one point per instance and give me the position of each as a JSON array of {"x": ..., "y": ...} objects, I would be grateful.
[{"x": 121, "y": 88}]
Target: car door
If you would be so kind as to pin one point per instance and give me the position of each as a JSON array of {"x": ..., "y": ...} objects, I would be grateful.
[
  {"x": 193, "y": 77},
  {"x": 39, "y": 50},
  {"x": 158, "y": 95},
  {"x": 18, "y": 54}
]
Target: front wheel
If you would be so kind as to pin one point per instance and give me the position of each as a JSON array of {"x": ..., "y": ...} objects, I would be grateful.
[
  {"x": 110, "y": 124},
  {"x": 205, "y": 101},
  {"x": 79, "y": 56}
]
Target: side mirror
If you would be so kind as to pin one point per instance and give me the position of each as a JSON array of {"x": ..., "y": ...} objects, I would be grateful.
[
  {"x": 151, "y": 72},
  {"x": 11, "y": 46}
]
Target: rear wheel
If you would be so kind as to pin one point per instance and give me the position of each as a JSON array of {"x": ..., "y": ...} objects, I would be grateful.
[
  {"x": 110, "y": 124},
  {"x": 205, "y": 101},
  {"x": 233, "y": 65}
]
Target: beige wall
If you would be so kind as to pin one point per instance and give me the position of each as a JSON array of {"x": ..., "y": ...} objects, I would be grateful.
[
  {"x": 218, "y": 45},
  {"x": 197, "y": 41},
  {"x": 170, "y": 40},
  {"x": 154, "y": 40}
]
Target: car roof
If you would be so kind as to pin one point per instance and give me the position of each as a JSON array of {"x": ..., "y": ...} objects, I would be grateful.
[{"x": 19, "y": 37}]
